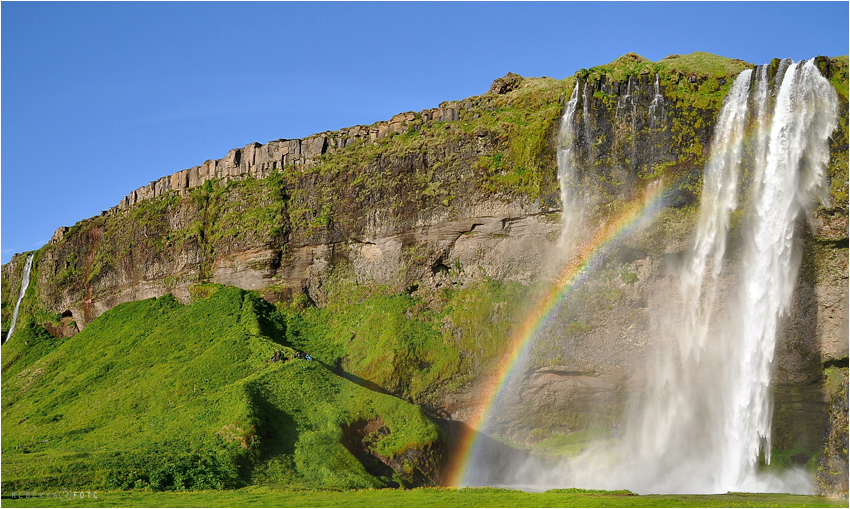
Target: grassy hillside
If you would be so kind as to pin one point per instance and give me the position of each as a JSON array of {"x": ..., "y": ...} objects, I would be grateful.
[
  {"x": 157, "y": 394},
  {"x": 410, "y": 344},
  {"x": 160, "y": 395}
]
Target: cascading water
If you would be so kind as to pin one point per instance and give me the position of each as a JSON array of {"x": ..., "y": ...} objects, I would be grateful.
[
  {"x": 25, "y": 282},
  {"x": 626, "y": 98},
  {"x": 656, "y": 107},
  {"x": 566, "y": 160},
  {"x": 634, "y": 110},
  {"x": 585, "y": 110},
  {"x": 780, "y": 73},
  {"x": 709, "y": 410},
  {"x": 805, "y": 115},
  {"x": 719, "y": 199},
  {"x": 708, "y": 413},
  {"x": 761, "y": 107}
]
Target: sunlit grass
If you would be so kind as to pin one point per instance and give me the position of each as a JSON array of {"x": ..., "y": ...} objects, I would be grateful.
[
  {"x": 157, "y": 394},
  {"x": 427, "y": 497}
]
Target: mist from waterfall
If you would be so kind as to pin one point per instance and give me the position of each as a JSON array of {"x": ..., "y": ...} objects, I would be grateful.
[
  {"x": 25, "y": 282},
  {"x": 700, "y": 420}
]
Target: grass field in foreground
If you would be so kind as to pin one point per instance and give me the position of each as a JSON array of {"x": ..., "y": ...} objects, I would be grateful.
[{"x": 422, "y": 497}]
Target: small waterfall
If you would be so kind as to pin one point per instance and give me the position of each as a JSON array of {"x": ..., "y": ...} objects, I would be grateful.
[
  {"x": 625, "y": 99},
  {"x": 25, "y": 282},
  {"x": 586, "y": 99},
  {"x": 634, "y": 112},
  {"x": 656, "y": 107},
  {"x": 566, "y": 158},
  {"x": 780, "y": 71}
]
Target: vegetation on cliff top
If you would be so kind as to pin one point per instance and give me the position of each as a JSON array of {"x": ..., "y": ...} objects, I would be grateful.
[{"x": 695, "y": 64}]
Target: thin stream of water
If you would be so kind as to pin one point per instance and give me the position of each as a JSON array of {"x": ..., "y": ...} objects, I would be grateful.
[
  {"x": 25, "y": 282},
  {"x": 570, "y": 202}
]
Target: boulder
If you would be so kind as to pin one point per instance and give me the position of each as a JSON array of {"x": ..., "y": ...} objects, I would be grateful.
[
  {"x": 59, "y": 234},
  {"x": 506, "y": 83}
]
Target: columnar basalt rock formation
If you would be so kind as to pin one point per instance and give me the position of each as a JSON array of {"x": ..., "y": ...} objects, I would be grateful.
[{"x": 258, "y": 161}]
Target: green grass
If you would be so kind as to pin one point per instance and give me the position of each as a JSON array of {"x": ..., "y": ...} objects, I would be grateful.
[
  {"x": 571, "y": 444},
  {"x": 839, "y": 76},
  {"x": 698, "y": 63},
  {"x": 157, "y": 394},
  {"x": 403, "y": 345},
  {"x": 703, "y": 63},
  {"x": 182, "y": 397},
  {"x": 423, "y": 497}
]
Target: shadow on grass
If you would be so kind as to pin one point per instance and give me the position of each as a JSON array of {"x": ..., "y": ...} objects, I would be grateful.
[{"x": 351, "y": 377}]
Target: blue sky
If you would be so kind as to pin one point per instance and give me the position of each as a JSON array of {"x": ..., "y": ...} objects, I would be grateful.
[{"x": 100, "y": 98}]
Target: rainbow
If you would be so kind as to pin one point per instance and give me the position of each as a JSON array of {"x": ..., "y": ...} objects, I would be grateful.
[{"x": 636, "y": 213}]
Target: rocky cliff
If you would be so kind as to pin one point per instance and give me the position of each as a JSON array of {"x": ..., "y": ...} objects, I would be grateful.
[{"x": 452, "y": 198}]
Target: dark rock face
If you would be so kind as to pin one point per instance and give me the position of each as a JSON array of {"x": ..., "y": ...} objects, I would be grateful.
[
  {"x": 625, "y": 137},
  {"x": 832, "y": 476},
  {"x": 413, "y": 467}
]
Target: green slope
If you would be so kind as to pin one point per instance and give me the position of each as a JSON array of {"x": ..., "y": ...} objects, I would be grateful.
[
  {"x": 154, "y": 393},
  {"x": 421, "y": 497}
]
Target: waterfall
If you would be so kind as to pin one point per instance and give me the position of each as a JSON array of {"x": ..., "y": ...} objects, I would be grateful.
[
  {"x": 566, "y": 159},
  {"x": 656, "y": 104},
  {"x": 761, "y": 103},
  {"x": 634, "y": 113},
  {"x": 625, "y": 99},
  {"x": 25, "y": 282},
  {"x": 700, "y": 416},
  {"x": 709, "y": 407},
  {"x": 797, "y": 153},
  {"x": 780, "y": 72},
  {"x": 719, "y": 199},
  {"x": 677, "y": 407},
  {"x": 585, "y": 106}
]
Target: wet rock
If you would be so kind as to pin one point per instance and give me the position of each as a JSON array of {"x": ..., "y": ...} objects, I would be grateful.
[{"x": 832, "y": 475}]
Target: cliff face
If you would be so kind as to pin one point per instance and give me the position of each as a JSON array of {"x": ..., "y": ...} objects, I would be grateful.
[{"x": 447, "y": 198}]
